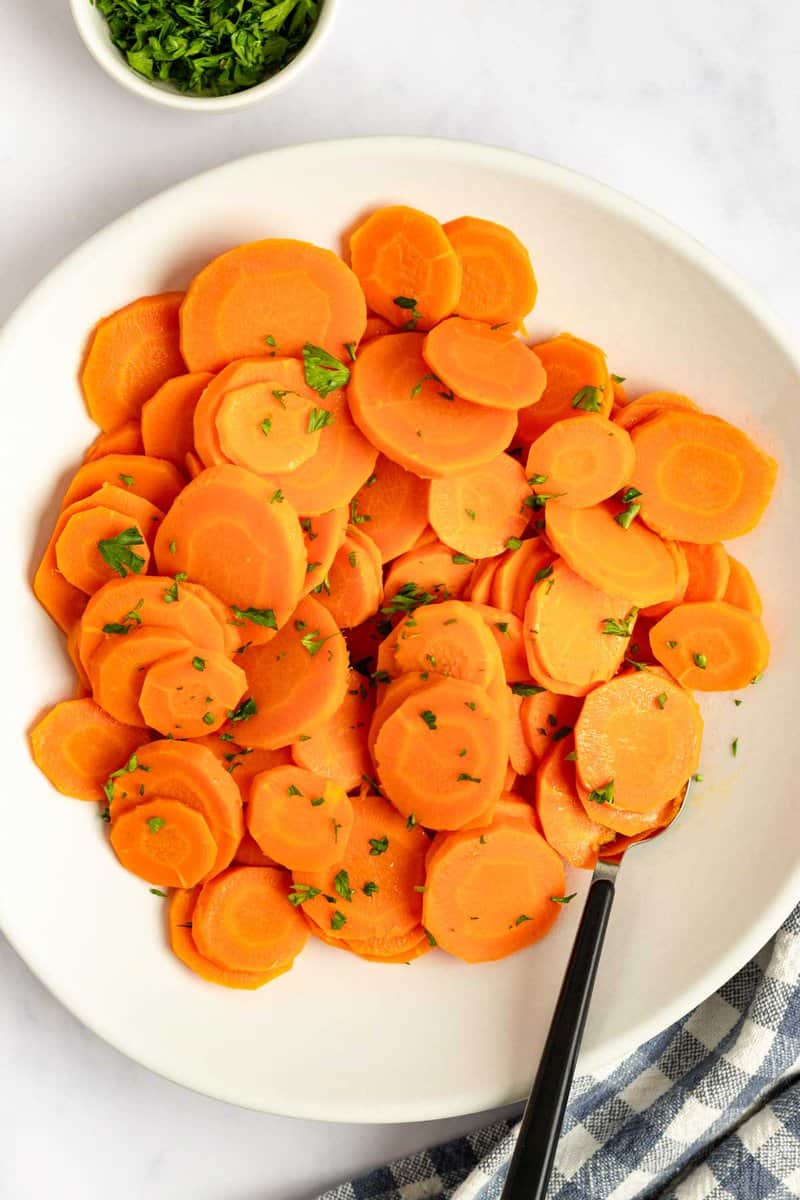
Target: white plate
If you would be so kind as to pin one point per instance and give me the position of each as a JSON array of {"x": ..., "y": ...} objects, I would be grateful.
[{"x": 339, "y": 1039}]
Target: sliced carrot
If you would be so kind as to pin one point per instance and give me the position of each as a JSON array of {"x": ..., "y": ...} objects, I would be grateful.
[
  {"x": 394, "y": 502},
  {"x": 520, "y": 755},
  {"x": 63, "y": 602},
  {"x": 414, "y": 420},
  {"x": 390, "y": 698},
  {"x": 167, "y": 418},
  {"x": 402, "y": 254},
  {"x": 701, "y": 479},
  {"x": 189, "y": 774},
  {"x": 243, "y": 763},
  {"x": 164, "y": 842},
  {"x": 711, "y": 646},
  {"x": 480, "y": 583},
  {"x": 640, "y": 733},
  {"x": 449, "y": 639},
  {"x": 516, "y": 574},
  {"x": 233, "y": 629},
  {"x": 323, "y": 535},
  {"x": 342, "y": 464},
  {"x": 277, "y": 294},
  {"x": 354, "y": 584},
  {"x": 709, "y": 571},
  {"x": 242, "y": 920},
  {"x": 497, "y": 280},
  {"x": 577, "y": 383},
  {"x": 481, "y": 512},
  {"x": 432, "y": 572},
  {"x": 546, "y": 718},
  {"x": 388, "y": 950},
  {"x": 420, "y": 760},
  {"x": 377, "y": 327},
  {"x": 616, "y": 848},
  {"x": 250, "y": 854},
  {"x": 77, "y": 746},
  {"x": 376, "y": 886},
  {"x": 506, "y": 629},
  {"x": 491, "y": 892},
  {"x": 99, "y": 544},
  {"x": 153, "y": 478},
  {"x": 741, "y": 590},
  {"x": 227, "y": 530},
  {"x": 181, "y": 910},
  {"x": 123, "y": 439},
  {"x": 425, "y": 538},
  {"x": 193, "y": 464},
  {"x": 297, "y": 681},
  {"x": 117, "y": 669},
  {"x": 123, "y": 605},
  {"x": 299, "y": 818},
  {"x": 576, "y": 636},
  {"x": 678, "y": 552},
  {"x": 630, "y": 562},
  {"x": 337, "y": 749},
  {"x": 565, "y": 824},
  {"x": 130, "y": 354},
  {"x": 582, "y": 462},
  {"x": 653, "y": 404},
  {"x": 83, "y": 687},
  {"x": 186, "y": 693},
  {"x": 484, "y": 364}
]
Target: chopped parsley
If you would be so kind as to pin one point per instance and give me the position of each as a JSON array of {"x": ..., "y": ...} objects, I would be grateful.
[
  {"x": 245, "y": 710},
  {"x": 266, "y": 426},
  {"x": 338, "y": 920},
  {"x": 199, "y": 663},
  {"x": 313, "y": 642},
  {"x": 735, "y": 747},
  {"x": 513, "y": 543},
  {"x": 300, "y": 892},
  {"x": 155, "y": 823},
  {"x": 370, "y": 888},
  {"x": 603, "y": 795},
  {"x": 409, "y": 304},
  {"x": 563, "y": 899},
  {"x": 323, "y": 374},
  {"x": 318, "y": 418},
  {"x": 700, "y": 661},
  {"x": 429, "y": 718},
  {"x": 378, "y": 846},
  {"x": 357, "y": 518},
  {"x": 463, "y": 560},
  {"x": 622, "y": 627},
  {"x": 661, "y": 699},
  {"x": 526, "y": 689},
  {"x": 465, "y": 778},
  {"x": 588, "y": 399},
  {"x": 117, "y": 551},
  {"x": 130, "y": 621},
  {"x": 543, "y": 573},
  {"x": 341, "y": 885},
  {"x": 128, "y": 480},
  {"x": 257, "y": 616}
]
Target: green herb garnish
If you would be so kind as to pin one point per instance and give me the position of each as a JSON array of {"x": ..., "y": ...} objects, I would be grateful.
[
  {"x": 324, "y": 374},
  {"x": 429, "y": 718},
  {"x": 588, "y": 399},
  {"x": 378, "y": 846},
  {"x": 117, "y": 551},
  {"x": 258, "y": 616}
]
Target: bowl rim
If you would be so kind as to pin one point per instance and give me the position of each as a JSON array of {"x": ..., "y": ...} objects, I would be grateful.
[{"x": 106, "y": 55}]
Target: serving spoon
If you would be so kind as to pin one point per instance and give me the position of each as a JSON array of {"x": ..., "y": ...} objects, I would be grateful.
[{"x": 532, "y": 1161}]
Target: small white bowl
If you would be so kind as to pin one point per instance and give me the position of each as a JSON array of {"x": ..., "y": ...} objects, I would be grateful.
[{"x": 93, "y": 28}]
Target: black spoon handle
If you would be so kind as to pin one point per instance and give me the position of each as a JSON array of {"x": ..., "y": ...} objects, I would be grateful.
[{"x": 532, "y": 1162}]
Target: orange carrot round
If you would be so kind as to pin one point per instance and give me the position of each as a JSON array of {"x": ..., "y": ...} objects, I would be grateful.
[
  {"x": 582, "y": 462},
  {"x": 117, "y": 670},
  {"x": 516, "y": 574},
  {"x": 497, "y": 280},
  {"x": 167, "y": 418},
  {"x": 653, "y": 404},
  {"x": 130, "y": 354},
  {"x": 484, "y": 364},
  {"x": 99, "y": 544},
  {"x": 448, "y": 639},
  {"x": 394, "y": 503},
  {"x": 355, "y": 580},
  {"x": 187, "y": 694},
  {"x": 546, "y": 718},
  {"x": 481, "y": 512},
  {"x": 242, "y": 920},
  {"x": 165, "y": 842},
  {"x": 431, "y": 572},
  {"x": 577, "y": 383},
  {"x": 741, "y": 590},
  {"x": 181, "y": 910},
  {"x": 123, "y": 439},
  {"x": 678, "y": 554},
  {"x": 77, "y": 745},
  {"x": 565, "y": 824},
  {"x": 337, "y": 749},
  {"x": 506, "y": 629},
  {"x": 711, "y": 646},
  {"x": 322, "y": 535},
  {"x": 480, "y": 582},
  {"x": 520, "y": 756},
  {"x": 153, "y": 478},
  {"x": 241, "y": 762},
  {"x": 709, "y": 571},
  {"x": 299, "y": 818}
]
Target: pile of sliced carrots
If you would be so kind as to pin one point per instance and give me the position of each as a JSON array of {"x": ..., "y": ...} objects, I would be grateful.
[{"x": 379, "y": 614}]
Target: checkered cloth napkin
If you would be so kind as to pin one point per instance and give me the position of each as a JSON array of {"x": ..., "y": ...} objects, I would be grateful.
[{"x": 708, "y": 1110}]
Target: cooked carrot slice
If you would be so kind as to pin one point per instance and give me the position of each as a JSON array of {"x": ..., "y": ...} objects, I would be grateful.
[
  {"x": 395, "y": 504},
  {"x": 117, "y": 669},
  {"x": 520, "y": 755},
  {"x": 354, "y": 584},
  {"x": 577, "y": 383},
  {"x": 632, "y": 826},
  {"x": 123, "y": 605},
  {"x": 629, "y": 562},
  {"x": 375, "y": 887},
  {"x": 130, "y": 354},
  {"x": 701, "y": 479},
  {"x": 432, "y": 779},
  {"x": 449, "y": 639},
  {"x": 377, "y": 327},
  {"x": 414, "y": 420},
  {"x": 640, "y": 733},
  {"x": 299, "y": 818},
  {"x": 193, "y": 464},
  {"x": 250, "y": 854},
  {"x": 99, "y": 544},
  {"x": 616, "y": 848},
  {"x": 576, "y": 636},
  {"x": 83, "y": 687},
  {"x": 481, "y": 512},
  {"x": 124, "y": 439},
  {"x": 497, "y": 280},
  {"x": 164, "y": 842},
  {"x": 337, "y": 749},
  {"x": 77, "y": 746},
  {"x": 323, "y": 535},
  {"x": 181, "y": 909},
  {"x": 678, "y": 552},
  {"x": 233, "y": 629},
  {"x": 709, "y": 571},
  {"x": 484, "y": 364},
  {"x": 430, "y": 572},
  {"x": 547, "y": 718},
  {"x": 341, "y": 465},
  {"x": 741, "y": 590},
  {"x": 506, "y": 629},
  {"x": 226, "y": 530},
  {"x": 491, "y": 892},
  {"x": 480, "y": 583},
  {"x": 63, "y": 602},
  {"x": 274, "y": 294},
  {"x": 167, "y": 429},
  {"x": 297, "y": 681},
  {"x": 516, "y": 574},
  {"x": 565, "y": 824},
  {"x": 402, "y": 254},
  {"x": 242, "y": 920},
  {"x": 189, "y": 774},
  {"x": 186, "y": 694},
  {"x": 153, "y": 478},
  {"x": 582, "y": 462},
  {"x": 390, "y": 698},
  {"x": 712, "y": 646},
  {"x": 653, "y": 404},
  {"x": 384, "y": 950}
]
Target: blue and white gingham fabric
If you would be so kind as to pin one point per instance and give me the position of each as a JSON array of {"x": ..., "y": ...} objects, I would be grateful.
[{"x": 708, "y": 1110}]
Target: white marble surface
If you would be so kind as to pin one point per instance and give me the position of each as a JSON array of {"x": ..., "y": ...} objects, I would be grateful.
[{"x": 691, "y": 106}]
